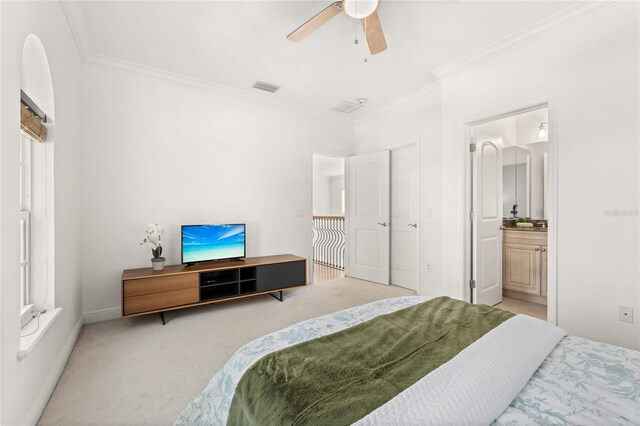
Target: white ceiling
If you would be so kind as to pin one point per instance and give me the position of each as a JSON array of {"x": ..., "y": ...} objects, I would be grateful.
[{"x": 235, "y": 43}]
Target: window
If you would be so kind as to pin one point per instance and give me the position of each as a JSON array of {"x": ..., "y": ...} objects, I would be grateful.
[
  {"x": 25, "y": 224},
  {"x": 36, "y": 244},
  {"x": 35, "y": 206}
]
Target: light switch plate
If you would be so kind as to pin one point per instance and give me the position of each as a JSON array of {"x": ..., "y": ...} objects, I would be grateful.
[{"x": 625, "y": 314}]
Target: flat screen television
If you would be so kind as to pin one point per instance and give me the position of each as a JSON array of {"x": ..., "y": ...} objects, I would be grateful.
[{"x": 204, "y": 243}]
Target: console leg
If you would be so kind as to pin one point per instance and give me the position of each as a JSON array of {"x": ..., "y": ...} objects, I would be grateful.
[
  {"x": 276, "y": 297},
  {"x": 162, "y": 318}
]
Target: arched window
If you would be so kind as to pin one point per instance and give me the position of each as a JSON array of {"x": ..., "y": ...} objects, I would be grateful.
[{"x": 37, "y": 117}]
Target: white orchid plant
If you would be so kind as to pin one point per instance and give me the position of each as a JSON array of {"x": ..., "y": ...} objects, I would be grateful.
[{"x": 154, "y": 237}]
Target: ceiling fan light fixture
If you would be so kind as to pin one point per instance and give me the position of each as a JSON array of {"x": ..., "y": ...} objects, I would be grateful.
[{"x": 359, "y": 9}]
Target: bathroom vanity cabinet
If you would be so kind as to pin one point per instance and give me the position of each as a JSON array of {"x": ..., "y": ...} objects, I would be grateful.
[{"x": 524, "y": 266}]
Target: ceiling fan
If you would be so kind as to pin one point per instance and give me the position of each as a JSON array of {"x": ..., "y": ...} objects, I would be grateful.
[{"x": 364, "y": 10}]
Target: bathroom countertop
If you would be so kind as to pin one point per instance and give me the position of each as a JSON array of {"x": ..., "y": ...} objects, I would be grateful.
[{"x": 534, "y": 229}]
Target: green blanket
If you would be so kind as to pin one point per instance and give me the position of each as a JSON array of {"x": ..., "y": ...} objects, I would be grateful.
[{"x": 340, "y": 378}]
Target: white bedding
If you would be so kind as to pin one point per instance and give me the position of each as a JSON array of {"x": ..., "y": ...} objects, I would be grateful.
[{"x": 580, "y": 382}]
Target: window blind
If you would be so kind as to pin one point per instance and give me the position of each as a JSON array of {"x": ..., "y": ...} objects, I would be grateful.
[{"x": 31, "y": 125}]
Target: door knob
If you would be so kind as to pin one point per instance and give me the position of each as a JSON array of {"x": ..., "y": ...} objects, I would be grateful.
[
  {"x": 502, "y": 227},
  {"x": 537, "y": 249},
  {"x": 544, "y": 249},
  {"x": 382, "y": 223},
  {"x": 413, "y": 225}
]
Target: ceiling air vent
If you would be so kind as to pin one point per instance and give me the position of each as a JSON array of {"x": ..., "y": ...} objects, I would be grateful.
[
  {"x": 268, "y": 87},
  {"x": 347, "y": 107}
]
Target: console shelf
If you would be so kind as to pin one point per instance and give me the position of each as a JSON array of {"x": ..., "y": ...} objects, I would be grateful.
[{"x": 145, "y": 291}]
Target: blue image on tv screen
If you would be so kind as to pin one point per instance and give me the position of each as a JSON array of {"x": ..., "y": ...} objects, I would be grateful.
[{"x": 212, "y": 242}]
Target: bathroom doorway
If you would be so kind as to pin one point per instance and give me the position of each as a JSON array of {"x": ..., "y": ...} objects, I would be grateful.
[{"x": 509, "y": 221}]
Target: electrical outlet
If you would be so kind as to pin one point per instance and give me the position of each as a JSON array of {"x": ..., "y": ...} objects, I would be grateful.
[
  {"x": 428, "y": 267},
  {"x": 625, "y": 314}
]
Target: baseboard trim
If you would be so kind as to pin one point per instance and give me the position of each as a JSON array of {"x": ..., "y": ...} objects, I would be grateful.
[
  {"x": 102, "y": 315},
  {"x": 42, "y": 398}
]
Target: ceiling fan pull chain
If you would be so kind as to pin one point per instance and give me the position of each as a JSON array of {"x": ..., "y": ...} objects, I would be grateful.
[{"x": 365, "y": 34}]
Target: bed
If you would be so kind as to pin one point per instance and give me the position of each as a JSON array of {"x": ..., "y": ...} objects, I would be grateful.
[{"x": 416, "y": 360}]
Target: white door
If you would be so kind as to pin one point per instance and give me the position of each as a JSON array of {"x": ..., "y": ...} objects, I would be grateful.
[
  {"x": 368, "y": 217},
  {"x": 487, "y": 256},
  {"x": 404, "y": 217}
]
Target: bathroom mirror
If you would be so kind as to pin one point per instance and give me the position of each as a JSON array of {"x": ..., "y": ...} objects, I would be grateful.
[{"x": 516, "y": 182}]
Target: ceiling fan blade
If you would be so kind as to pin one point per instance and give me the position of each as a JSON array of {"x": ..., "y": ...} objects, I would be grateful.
[
  {"x": 373, "y": 31},
  {"x": 312, "y": 24}
]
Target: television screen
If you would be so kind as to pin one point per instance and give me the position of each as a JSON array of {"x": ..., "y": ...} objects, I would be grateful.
[{"x": 201, "y": 243}]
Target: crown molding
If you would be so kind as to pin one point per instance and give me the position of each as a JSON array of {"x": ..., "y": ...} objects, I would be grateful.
[
  {"x": 82, "y": 39},
  {"x": 133, "y": 68},
  {"x": 539, "y": 29},
  {"x": 528, "y": 34},
  {"x": 78, "y": 26}
]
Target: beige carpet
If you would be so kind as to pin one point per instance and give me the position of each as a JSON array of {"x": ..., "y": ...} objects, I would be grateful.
[{"x": 137, "y": 371}]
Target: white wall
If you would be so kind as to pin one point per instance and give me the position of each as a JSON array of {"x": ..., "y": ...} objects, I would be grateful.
[
  {"x": 328, "y": 183},
  {"x": 321, "y": 195},
  {"x": 159, "y": 152},
  {"x": 327, "y": 195},
  {"x": 416, "y": 120},
  {"x": 336, "y": 189},
  {"x": 589, "y": 70},
  {"x": 27, "y": 384},
  {"x": 592, "y": 79}
]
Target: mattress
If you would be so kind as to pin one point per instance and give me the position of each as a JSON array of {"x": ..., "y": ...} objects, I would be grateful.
[{"x": 551, "y": 380}]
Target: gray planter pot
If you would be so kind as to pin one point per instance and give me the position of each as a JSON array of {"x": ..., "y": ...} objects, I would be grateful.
[{"x": 157, "y": 263}]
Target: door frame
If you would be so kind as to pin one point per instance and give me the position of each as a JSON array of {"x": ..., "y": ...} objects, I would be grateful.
[
  {"x": 344, "y": 156},
  {"x": 551, "y": 102}
]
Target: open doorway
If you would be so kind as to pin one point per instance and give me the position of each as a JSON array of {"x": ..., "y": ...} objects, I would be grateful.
[
  {"x": 328, "y": 217},
  {"x": 510, "y": 205}
]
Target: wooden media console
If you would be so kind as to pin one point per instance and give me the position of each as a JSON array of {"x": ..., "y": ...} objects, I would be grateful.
[{"x": 145, "y": 291}]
